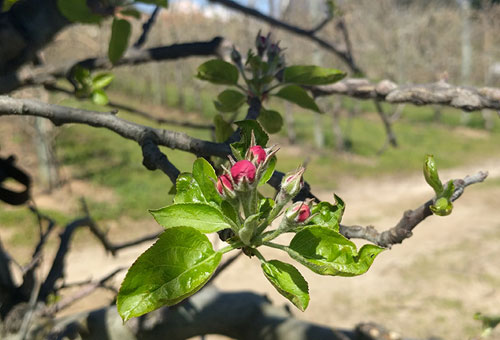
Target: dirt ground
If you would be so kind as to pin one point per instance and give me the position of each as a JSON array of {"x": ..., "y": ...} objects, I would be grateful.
[{"x": 432, "y": 284}]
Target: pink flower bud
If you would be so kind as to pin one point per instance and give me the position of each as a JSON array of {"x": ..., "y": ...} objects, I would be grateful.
[
  {"x": 304, "y": 212},
  {"x": 258, "y": 153},
  {"x": 223, "y": 182},
  {"x": 297, "y": 214},
  {"x": 292, "y": 183},
  {"x": 243, "y": 169}
]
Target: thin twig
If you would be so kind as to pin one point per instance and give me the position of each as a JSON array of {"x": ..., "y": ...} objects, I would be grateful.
[
  {"x": 341, "y": 53},
  {"x": 411, "y": 218},
  {"x": 83, "y": 292},
  {"x": 146, "y": 28}
]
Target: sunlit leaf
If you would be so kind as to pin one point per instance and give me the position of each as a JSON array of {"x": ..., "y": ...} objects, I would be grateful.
[
  {"x": 327, "y": 252},
  {"x": 175, "y": 267},
  {"x": 203, "y": 217},
  {"x": 311, "y": 75},
  {"x": 297, "y": 95},
  {"x": 218, "y": 72},
  {"x": 288, "y": 282},
  {"x": 100, "y": 97}
]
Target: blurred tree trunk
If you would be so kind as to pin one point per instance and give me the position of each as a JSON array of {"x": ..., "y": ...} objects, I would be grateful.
[
  {"x": 465, "y": 10},
  {"x": 336, "y": 129},
  {"x": 290, "y": 123},
  {"x": 43, "y": 138}
]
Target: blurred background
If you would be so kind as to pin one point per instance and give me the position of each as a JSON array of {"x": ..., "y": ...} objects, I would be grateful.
[{"x": 431, "y": 285}]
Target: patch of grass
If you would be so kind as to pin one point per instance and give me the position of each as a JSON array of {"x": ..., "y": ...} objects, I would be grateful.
[{"x": 23, "y": 224}]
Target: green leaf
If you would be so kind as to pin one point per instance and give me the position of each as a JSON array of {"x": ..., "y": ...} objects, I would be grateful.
[
  {"x": 442, "y": 207},
  {"x": 131, "y": 12},
  {"x": 431, "y": 174},
  {"x": 100, "y": 97},
  {"x": 247, "y": 127},
  {"x": 205, "y": 175},
  {"x": 120, "y": 34},
  {"x": 229, "y": 211},
  {"x": 269, "y": 171},
  {"x": 328, "y": 215},
  {"x": 188, "y": 190},
  {"x": 175, "y": 267},
  {"x": 102, "y": 80},
  {"x": 223, "y": 130},
  {"x": 82, "y": 75},
  {"x": 265, "y": 206},
  {"x": 218, "y": 72},
  {"x": 288, "y": 282},
  {"x": 327, "y": 252},
  {"x": 203, "y": 217},
  {"x": 448, "y": 190},
  {"x": 270, "y": 120},
  {"x": 78, "y": 11},
  {"x": 311, "y": 75},
  {"x": 7, "y": 4},
  {"x": 161, "y": 3},
  {"x": 229, "y": 101},
  {"x": 299, "y": 96}
]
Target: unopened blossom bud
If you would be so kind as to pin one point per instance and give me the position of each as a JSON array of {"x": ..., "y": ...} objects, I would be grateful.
[
  {"x": 261, "y": 43},
  {"x": 235, "y": 56},
  {"x": 224, "y": 186},
  {"x": 298, "y": 214},
  {"x": 243, "y": 169},
  {"x": 257, "y": 153},
  {"x": 303, "y": 211},
  {"x": 273, "y": 51},
  {"x": 292, "y": 183}
]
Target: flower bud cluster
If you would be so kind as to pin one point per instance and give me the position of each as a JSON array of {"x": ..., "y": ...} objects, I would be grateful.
[
  {"x": 266, "y": 47},
  {"x": 238, "y": 185},
  {"x": 244, "y": 175}
]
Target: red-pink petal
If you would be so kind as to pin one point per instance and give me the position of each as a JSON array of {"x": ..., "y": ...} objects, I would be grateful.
[
  {"x": 243, "y": 169},
  {"x": 223, "y": 180},
  {"x": 259, "y": 153}
]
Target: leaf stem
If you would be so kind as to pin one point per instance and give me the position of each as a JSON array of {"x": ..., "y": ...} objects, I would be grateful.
[
  {"x": 275, "y": 245},
  {"x": 259, "y": 255},
  {"x": 230, "y": 247}
]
